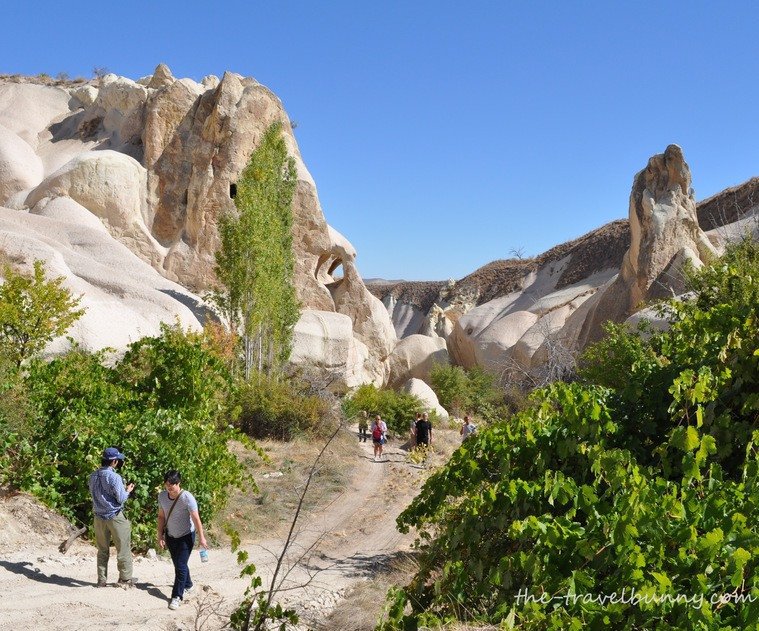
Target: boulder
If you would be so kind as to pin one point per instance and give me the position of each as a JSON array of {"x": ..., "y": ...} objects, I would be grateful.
[
  {"x": 324, "y": 340},
  {"x": 85, "y": 95},
  {"x": 426, "y": 395},
  {"x": 111, "y": 185},
  {"x": 414, "y": 357}
]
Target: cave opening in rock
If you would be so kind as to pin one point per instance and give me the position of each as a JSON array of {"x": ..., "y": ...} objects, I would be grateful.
[
  {"x": 232, "y": 190},
  {"x": 336, "y": 270}
]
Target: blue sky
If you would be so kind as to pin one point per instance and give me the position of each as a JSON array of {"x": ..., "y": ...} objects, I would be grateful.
[{"x": 444, "y": 135}]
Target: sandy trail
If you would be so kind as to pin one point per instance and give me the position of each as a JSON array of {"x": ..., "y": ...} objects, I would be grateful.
[{"x": 347, "y": 541}]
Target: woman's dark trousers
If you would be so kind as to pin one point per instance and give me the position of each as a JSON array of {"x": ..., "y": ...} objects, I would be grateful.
[{"x": 180, "y": 549}]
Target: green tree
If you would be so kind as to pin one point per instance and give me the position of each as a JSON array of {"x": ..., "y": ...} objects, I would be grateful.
[
  {"x": 474, "y": 391},
  {"x": 255, "y": 261},
  {"x": 33, "y": 311}
]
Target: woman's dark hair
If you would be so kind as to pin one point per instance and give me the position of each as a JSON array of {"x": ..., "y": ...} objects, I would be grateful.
[{"x": 172, "y": 477}]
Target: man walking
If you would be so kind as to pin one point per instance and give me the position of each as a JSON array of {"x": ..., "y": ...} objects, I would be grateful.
[
  {"x": 424, "y": 431},
  {"x": 108, "y": 497}
]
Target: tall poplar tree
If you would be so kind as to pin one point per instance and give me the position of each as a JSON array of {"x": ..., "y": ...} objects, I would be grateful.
[{"x": 255, "y": 261}]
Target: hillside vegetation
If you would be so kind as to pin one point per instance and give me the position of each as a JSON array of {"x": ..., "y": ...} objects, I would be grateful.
[{"x": 625, "y": 500}]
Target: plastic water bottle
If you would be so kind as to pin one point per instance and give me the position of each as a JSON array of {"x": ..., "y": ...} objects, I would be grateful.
[{"x": 203, "y": 555}]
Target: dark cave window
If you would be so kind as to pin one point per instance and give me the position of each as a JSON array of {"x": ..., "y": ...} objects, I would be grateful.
[{"x": 232, "y": 190}]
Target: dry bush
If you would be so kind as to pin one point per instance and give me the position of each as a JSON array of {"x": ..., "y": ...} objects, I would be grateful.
[{"x": 268, "y": 509}]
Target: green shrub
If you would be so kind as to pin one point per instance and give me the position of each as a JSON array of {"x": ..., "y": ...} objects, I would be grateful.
[
  {"x": 471, "y": 391},
  {"x": 644, "y": 483},
  {"x": 266, "y": 407},
  {"x": 397, "y": 409},
  {"x": 33, "y": 311},
  {"x": 178, "y": 370},
  {"x": 81, "y": 406}
]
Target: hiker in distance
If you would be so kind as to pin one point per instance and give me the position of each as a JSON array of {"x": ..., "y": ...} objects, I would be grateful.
[
  {"x": 108, "y": 498},
  {"x": 412, "y": 431},
  {"x": 363, "y": 426},
  {"x": 424, "y": 431},
  {"x": 178, "y": 521},
  {"x": 467, "y": 428},
  {"x": 379, "y": 431}
]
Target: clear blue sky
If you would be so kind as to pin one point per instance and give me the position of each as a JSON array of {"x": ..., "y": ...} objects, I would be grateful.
[{"x": 443, "y": 135}]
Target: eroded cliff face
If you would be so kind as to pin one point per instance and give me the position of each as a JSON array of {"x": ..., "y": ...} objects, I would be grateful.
[
  {"x": 150, "y": 166},
  {"x": 518, "y": 316}
]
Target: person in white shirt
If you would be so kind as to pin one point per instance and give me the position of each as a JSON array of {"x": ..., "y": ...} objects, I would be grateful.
[
  {"x": 178, "y": 521},
  {"x": 467, "y": 428}
]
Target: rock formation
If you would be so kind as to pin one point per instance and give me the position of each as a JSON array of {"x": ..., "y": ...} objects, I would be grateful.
[
  {"x": 520, "y": 315},
  {"x": 665, "y": 236},
  {"x": 155, "y": 162},
  {"x": 414, "y": 357},
  {"x": 426, "y": 395}
]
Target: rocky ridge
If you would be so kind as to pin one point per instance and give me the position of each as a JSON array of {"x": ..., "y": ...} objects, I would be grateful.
[
  {"x": 118, "y": 186},
  {"x": 511, "y": 315}
]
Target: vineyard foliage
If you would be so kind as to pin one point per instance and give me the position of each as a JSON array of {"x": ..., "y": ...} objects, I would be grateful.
[{"x": 626, "y": 500}]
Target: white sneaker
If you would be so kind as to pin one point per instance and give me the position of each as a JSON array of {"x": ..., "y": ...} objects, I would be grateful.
[
  {"x": 174, "y": 604},
  {"x": 189, "y": 590}
]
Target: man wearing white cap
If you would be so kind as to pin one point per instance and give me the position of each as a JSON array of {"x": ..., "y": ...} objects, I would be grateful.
[{"x": 108, "y": 497}]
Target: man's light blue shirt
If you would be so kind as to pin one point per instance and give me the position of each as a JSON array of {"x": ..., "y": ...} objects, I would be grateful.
[{"x": 108, "y": 493}]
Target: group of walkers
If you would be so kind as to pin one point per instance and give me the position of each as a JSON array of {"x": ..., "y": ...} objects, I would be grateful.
[
  {"x": 178, "y": 523},
  {"x": 420, "y": 431}
]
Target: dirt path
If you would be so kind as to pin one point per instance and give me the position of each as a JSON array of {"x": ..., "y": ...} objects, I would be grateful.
[{"x": 347, "y": 541}]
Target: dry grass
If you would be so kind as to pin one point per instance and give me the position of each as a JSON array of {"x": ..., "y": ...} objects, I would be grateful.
[
  {"x": 267, "y": 511},
  {"x": 362, "y": 608}
]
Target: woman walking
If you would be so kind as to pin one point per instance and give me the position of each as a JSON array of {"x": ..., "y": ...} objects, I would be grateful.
[
  {"x": 178, "y": 521},
  {"x": 379, "y": 430}
]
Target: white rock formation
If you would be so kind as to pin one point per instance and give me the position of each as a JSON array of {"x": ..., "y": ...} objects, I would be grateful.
[
  {"x": 664, "y": 234},
  {"x": 154, "y": 163},
  {"x": 112, "y": 186},
  {"x": 324, "y": 340},
  {"x": 414, "y": 357},
  {"x": 556, "y": 304},
  {"x": 20, "y": 167},
  {"x": 426, "y": 395},
  {"x": 124, "y": 298}
]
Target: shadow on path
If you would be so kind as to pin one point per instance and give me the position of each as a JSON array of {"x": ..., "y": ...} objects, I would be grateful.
[
  {"x": 27, "y": 569},
  {"x": 35, "y": 574},
  {"x": 361, "y": 565}
]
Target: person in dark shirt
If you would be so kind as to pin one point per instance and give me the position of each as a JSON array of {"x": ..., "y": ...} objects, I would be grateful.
[{"x": 424, "y": 431}]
